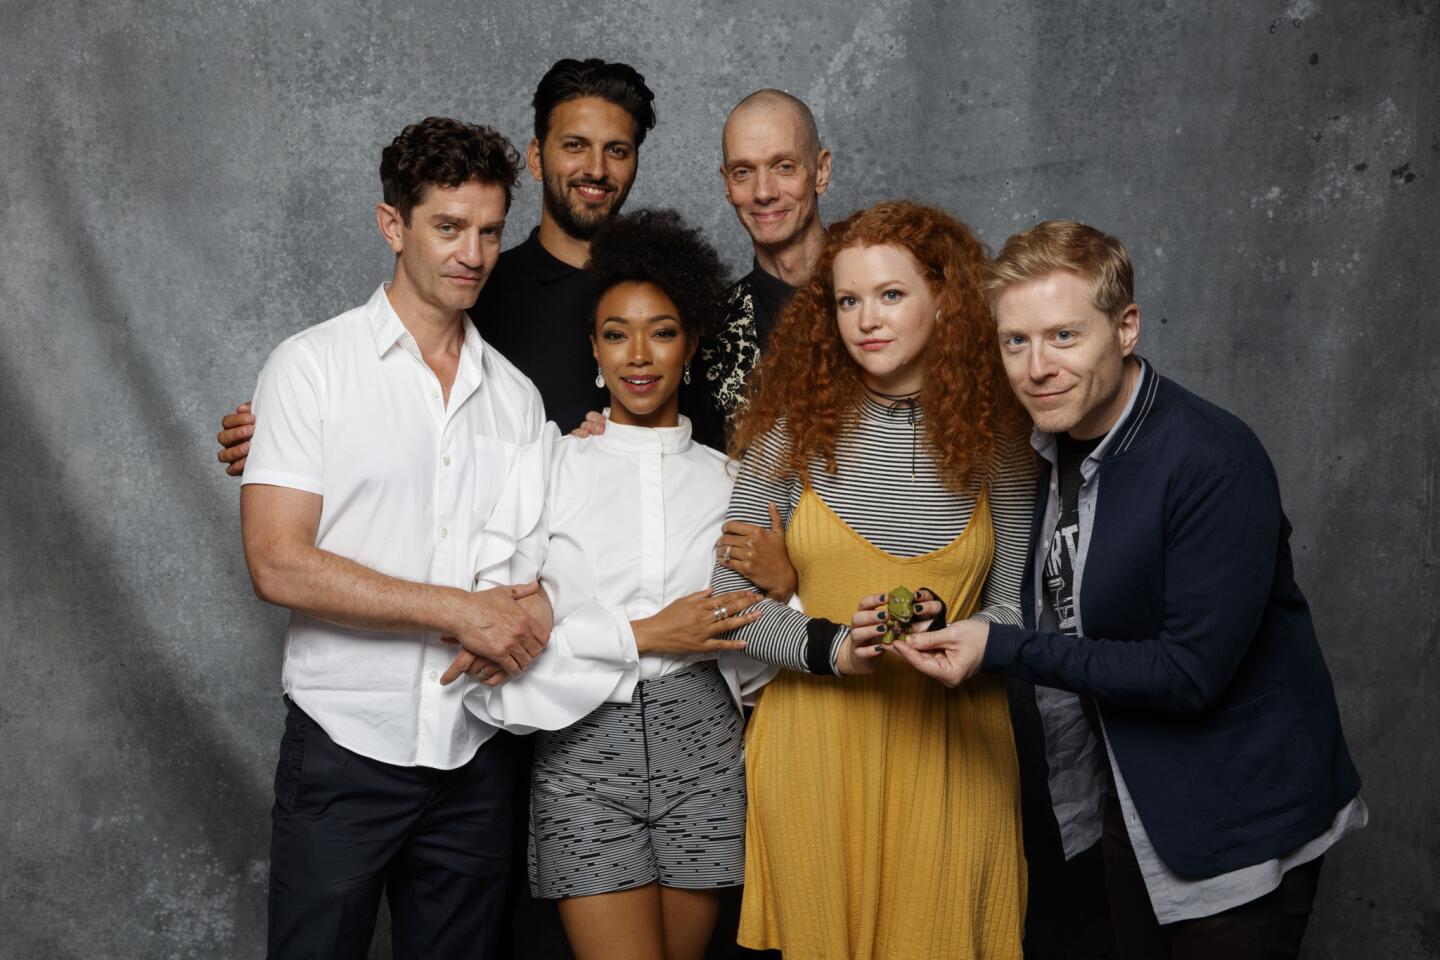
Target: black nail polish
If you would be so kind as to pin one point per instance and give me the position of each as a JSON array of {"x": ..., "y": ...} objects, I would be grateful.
[
  {"x": 880, "y": 615},
  {"x": 879, "y": 648},
  {"x": 882, "y": 598},
  {"x": 917, "y": 607}
]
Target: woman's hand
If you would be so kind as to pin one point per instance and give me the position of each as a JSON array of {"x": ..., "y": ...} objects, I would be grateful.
[
  {"x": 868, "y": 624},
  {"x": 859, "y": 653},
  {"x": 758, "y": 554},
  {"x": 697, "y": 623},
  {"x": 951, "y": 655}
]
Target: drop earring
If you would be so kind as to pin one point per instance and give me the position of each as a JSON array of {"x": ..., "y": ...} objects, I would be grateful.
[
  {"x": 686, "y": 376},
  {"x": 599, "y": 377}
]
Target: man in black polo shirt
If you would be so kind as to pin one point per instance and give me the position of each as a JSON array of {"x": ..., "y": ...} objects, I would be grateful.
[{"x": 590, "y": 119}]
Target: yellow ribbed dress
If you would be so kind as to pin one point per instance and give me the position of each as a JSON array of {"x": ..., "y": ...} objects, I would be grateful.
[{"x": 884, "y": 819}]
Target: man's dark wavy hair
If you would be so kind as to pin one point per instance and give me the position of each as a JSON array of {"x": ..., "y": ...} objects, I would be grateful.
[
  {"x": 619, "y": 83},
  {"x": 656, "y": 246},
  {"x": 439, "y": 151}
]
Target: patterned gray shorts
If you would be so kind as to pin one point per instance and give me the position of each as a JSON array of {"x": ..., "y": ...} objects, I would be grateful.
[{"x": 636, "y": 792}]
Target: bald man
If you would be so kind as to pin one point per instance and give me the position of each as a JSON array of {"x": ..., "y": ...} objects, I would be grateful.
[{"x": 775, "y": 170}]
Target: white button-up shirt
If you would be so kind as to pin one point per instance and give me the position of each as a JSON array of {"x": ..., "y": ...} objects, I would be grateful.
[
  {"x": 349, "y": 410},
  {"x": 630, "y": 521}
]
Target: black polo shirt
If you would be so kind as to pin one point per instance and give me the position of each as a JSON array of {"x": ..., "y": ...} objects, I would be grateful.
[{"x": 536, "y": 310}]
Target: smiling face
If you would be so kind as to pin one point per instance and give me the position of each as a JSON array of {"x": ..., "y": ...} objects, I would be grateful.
[
  {"x": 447, "y": 250},
  {"x": 1066, "y": 360},
  {"x": 885, "y": 312},
  {"x": 642, "y": 351},
  {"x": 773, "y": 173},
  {"x": 586, "y": 164}
]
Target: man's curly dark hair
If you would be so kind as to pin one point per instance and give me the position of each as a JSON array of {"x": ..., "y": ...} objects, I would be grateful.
[
  {"x": 656, "y": 246},
  {"x": 439, "y": 151}
]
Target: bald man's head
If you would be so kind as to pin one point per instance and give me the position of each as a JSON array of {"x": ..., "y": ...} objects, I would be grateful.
[
  {"x": 777, "y": 100},
  {"x": 775, "y": 169}
]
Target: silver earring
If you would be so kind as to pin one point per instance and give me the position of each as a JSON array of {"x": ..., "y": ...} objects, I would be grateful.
[
  {"x": 599, "y": 377},
  {"x": 686, "y": 377}
]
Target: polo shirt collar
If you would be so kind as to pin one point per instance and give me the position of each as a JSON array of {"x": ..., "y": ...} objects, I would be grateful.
[
  {"x": 631, "y": 439},
  {"x": 541, "y": 263}
]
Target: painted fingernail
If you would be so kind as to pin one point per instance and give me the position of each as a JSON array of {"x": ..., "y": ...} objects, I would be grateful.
[
  {"x": 879, "y": 648},
  {"x": 882, "y": 598},
  {"x": 918, "y": 607},
  {"x": 880, "y": 615}
]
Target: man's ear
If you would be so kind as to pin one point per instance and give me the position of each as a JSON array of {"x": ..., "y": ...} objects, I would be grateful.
[
  {"x": 1128, "y": 329},
  {"x": 822, "y": 171},
  {"x": 391, "y": 225},
  {"x": 532, "y": 160}
]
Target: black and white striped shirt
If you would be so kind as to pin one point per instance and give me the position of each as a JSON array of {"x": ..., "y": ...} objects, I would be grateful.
[{"x": 887, "y": 488}]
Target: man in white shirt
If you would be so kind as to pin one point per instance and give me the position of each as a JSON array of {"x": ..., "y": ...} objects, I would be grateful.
[{"x": 384, "y": 438}]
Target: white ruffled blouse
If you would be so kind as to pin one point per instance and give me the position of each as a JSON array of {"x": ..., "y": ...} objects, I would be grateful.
[{"x": 618, "y": 526}]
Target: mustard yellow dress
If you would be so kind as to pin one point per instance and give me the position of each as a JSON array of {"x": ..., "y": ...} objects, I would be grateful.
[{"x": 883, "y": 812}]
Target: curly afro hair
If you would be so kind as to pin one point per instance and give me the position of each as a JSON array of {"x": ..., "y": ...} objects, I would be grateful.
[{"x": 656, "y": 246}]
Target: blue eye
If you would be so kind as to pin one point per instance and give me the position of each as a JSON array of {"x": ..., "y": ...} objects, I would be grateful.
[
  {"x": 845, "y": 303},
  {"x": 1065, "y": 336},
  {"x": 891, "y": 296}
]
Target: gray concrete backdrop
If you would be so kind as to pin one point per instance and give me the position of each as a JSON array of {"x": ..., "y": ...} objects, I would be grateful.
[{"x": 184, "y": 184}]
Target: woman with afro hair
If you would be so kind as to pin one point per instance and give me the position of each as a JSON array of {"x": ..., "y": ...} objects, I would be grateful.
[
  {"x": 884, "y": 807},
  {"x": 638, "y": 784}
]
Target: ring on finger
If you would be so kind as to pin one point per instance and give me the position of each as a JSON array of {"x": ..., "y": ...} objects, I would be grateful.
[
  {"x": 720, "y": 613},
  {"x": 725, "y": 557}
]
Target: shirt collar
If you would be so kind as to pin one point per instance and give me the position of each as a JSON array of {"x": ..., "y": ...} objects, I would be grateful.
[
  {"x": 630, "y": 439},
  {"x": 541, "y": 263},
  {"x": 1044, "y": 443},
  {"x": 385, "y": 323},
  {"x": 388, "y": 329}
]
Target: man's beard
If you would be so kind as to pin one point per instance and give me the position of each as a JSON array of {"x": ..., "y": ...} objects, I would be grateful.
[{"x": 580, "y": 224}]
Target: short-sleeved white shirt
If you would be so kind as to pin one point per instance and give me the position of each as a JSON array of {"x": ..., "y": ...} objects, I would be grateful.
[{"x": 348, "y": 410}]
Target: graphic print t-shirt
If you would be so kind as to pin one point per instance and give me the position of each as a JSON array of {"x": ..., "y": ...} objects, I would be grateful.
[{"x": 1058, "y": 613}]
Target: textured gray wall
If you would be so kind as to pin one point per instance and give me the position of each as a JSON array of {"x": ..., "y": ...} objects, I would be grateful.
[{"x": 185, "y": 184}]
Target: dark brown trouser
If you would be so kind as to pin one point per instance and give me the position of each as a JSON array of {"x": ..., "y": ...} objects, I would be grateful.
[{"x": 1269, "y": 928}]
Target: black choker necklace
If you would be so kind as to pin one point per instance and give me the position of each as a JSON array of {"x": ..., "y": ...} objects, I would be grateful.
[{"x": 910, "y": 403}]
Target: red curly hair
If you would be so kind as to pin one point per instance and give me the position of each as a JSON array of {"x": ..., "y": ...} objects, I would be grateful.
[{"x": 808, "y": 379}]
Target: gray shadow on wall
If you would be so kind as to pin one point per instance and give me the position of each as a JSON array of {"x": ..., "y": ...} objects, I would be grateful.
[{"x": 133, "y": 789}]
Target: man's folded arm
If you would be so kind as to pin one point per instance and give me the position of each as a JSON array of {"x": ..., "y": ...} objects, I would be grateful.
[{"x": 279, "y": 524}]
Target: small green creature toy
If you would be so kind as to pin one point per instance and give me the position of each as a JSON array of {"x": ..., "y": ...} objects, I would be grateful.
[{"x": 899, "y": 611}]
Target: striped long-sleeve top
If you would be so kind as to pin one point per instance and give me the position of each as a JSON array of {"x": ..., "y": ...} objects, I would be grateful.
[{"x": 887, "y": 488}]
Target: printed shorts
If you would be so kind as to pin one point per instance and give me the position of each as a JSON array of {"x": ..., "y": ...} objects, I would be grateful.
[{"x": 639, "y": 792}]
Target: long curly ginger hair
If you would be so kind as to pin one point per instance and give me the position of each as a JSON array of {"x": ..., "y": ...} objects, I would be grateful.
[{"x": 808, "y": 379}]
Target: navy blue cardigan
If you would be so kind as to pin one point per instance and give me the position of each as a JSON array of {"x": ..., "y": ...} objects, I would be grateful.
[{"x": 1198, "y": 645}]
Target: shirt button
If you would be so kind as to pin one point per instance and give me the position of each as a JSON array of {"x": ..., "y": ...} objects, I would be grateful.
[
  {"x": 445, "y": 460},
  {"x": 434, "y": 675},
  {"x": 435, "y": 392},
  {"x": 444, "y": 533}
]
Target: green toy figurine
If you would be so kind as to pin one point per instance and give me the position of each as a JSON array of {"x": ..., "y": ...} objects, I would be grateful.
[{"x": 899, "y": 611}]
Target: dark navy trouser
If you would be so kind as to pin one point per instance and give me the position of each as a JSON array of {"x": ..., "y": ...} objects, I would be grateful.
[{"x": 345, "y": 827}]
